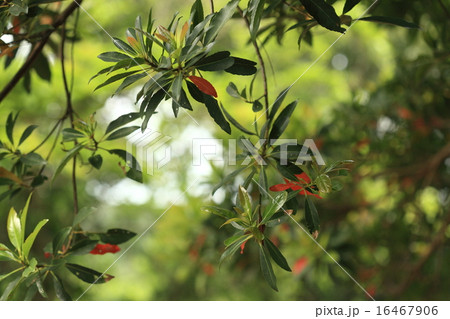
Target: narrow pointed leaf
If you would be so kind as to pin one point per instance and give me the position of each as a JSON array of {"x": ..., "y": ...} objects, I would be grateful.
[
  {"x": 311, "y": 217},
  {"x": 273, "y": 207},
  {"x": 27, "y": 133},
  {"x": 277, "y": 103},
  {"x": 242, "y": 67},
  {"x": 276, "y": 255},
  {"x": 70, "y": 154},
  {"x": 324, "y": 14},
  {"x": 31, "y": 238},
  {"x": 112, "y": 56},
  {"x": 266, "y": 268},
  {"x": 88, "y": 275},
  {"x": 215, "y": 112},
  {"x": 121, "y": 121},
  {"x": 14, "y": 230},
  {"x": 349, "y": 4},
  {"x": 60, "y": 292},
  {"x": 219, "y": 20},
  {"x": 122, "y": 132},
  {"x": 236, "y": 123},
  {"x": 281, "y": 122},
  {"x": 222, "y": 212}
]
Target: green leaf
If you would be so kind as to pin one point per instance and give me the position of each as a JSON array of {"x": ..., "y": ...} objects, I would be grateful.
[
  {"x": 30, "y": 269},
  {"x": 11, "y": 287},
  {"x": 70, "y": 154},
  {"x": 323, "y": 182},
  {"x": 289, "y": 170},
  {"x": 88, "y": 275},
  {"x": 116, "y": 236},
  {"x": 245, "y": 201},
  {"x": 324, "y": 14},
  {"x": 257, "y": 106},
  {"x": 236, "y": 123},
  {"x": 215, "y": 112},
  {"x": 70, "y": 134},
  {"x": 129, "y": 159},
  {"x": 6, "y": 253},
  {"x": 112, "y": 56},
  {"x": 184, "y": 101},
  {"x": 135, "y": 175},
  {"x": 222, "y": 212},
  {"x": 230, "y": 240},
  {"x": 176, "y": 87},
  {"x": 31, "y": 238},
  {"x": 215, "y": 62},
  {"x": 233, "y": 90},
  {"x": 122, "y": 132},
  {"x": 255, "y": 7},
  {"x": 32, "y": 159},
  {"x": 23, "y": 217},
  {"x": 42, "y": 67},
  {"x": 273, "y": 207},
  {"x": 83, "y": 246},
  {"x": 281, "y": 122},
  {"x": 129, "y": 81},
  {"x": 349, "y": 4},
  {"x": 228, "y": 178},
  {"x": 82, "y": 215},
  {"x": 242, "y": 67},
  {"x": 27, "y": 133},
  {"x": 311, "y": 217},
  {"x": 60, "y": 292},
  {"x": 96, "y": 161},
  {"x": 195, "y": 92},
  {"x": 9, "y": 274},
  {"x": 197, "y": 12},
  {"x": 115, "y": 78},
  {"x": 123, "y": 46},
  {"x": 151, "y": 106},
  {"x": 121, "y": 121},
  {"x": 278, "y": 101},
  {"x": 15, "y": 230},
  {"x": 218, "y": 21},
  {"x": 276, "y": 254},
  {"x": 390, "y": 20},
  {"x": 266, "y": 268},
  {"x": 60, "y": 239},
  {"x": 230, "y": 250},
  {"x": 10, "y": 122}
]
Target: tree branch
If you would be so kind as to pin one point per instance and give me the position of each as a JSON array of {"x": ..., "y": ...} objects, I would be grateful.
[{"x": 37, "y": 49}]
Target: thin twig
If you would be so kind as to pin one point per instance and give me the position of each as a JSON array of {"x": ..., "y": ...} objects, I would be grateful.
[
  {"x": 212, "y": 6},
  {"x": 69, "y": 113},
  {"x": 37, "y": 49}
]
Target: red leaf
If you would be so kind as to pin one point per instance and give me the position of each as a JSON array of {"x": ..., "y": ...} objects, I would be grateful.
[
  {"x": 243, "y": 246},
  {"x": 303, "y": 178},
  {"x": 279, "y": 187},
  {"x": 101, "y": 249},
  {"x": 203, "y": 85}
]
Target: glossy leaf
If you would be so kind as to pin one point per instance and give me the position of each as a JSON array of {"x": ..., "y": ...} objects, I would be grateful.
[
  {"x": 32, "y": 159},
  {"x": 121, "y": 121},
  {"x": 96, "y": 161},
  {"x": 266, "y": 268},
  {"x": 10, "y": 122},
  {"x": 222, "y": 212},
  {"x": 116, "y": 236},
  {"x": 255, "y": 7},
  {"x": 390, "y": 20},
  {"x": 324, "y": 14},
  {"x": 203, "y": 85},
  {"x": 276, "y": 255},
  {"x": 242, "y": 67},
  {"x": 6, "y": 253},
  {"x": 236, "y": 123},
  {"x": 83, "y": 246},
  {"x": 31, "y": 238},
  {"x": 27, "y": 133},
  {"x": 151, "y": 106},
  {"x": 230, "y": 250},
  {"x": 311, "y": 217},
  {"x": 60, "y": 292},
  {"x": 115, "y": 78},
  {"x": 195, "y": 92},
  {"x": 349, "y": 4},
  {"x": 123, "y": 46},
  {"x": 273, "y": 207},
  {"x": 130, "y": 80},
  {"x": 277, "y": 103},
  {"x": 88, "y": 275},
  {"x": 122, "y": 132},
  {"x": 215, "y": 112},
  {"x": 14, "y": 230},
  {"x": 197, "y": 12},
  {"x": 215, "y": 62},
  {"x": 245, "y": 201},
  {"x": 282, "y": 121},
  {"x": 219, "y": 20},
  {"x": 112, "y": 56},
  {"x": 70, "y": 134},
  {"x": 129, "y": 159},
  {"x": 289, "y": 170}
]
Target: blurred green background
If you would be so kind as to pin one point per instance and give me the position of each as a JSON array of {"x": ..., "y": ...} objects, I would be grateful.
[{"x": 380, "y": 96}]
